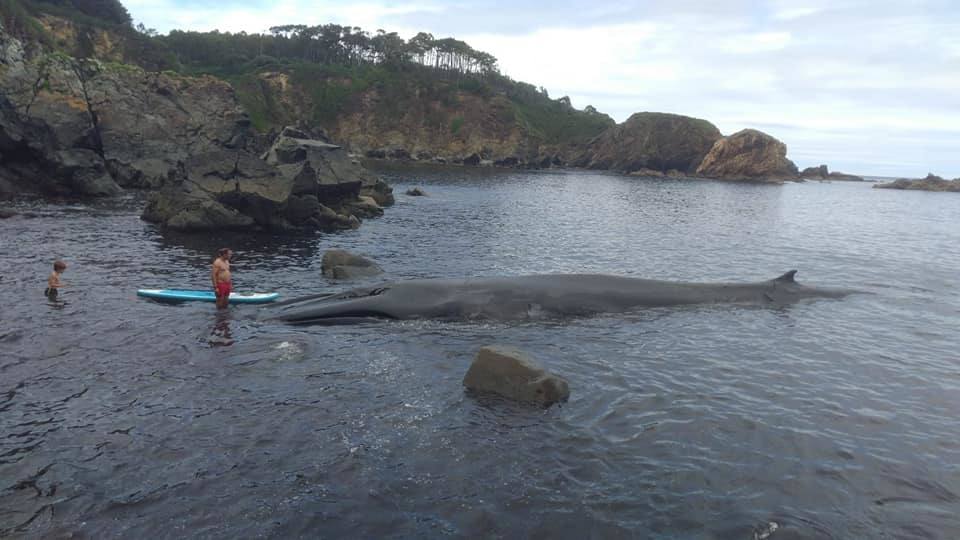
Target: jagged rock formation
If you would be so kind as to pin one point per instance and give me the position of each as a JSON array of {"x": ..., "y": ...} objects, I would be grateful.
[
  {"x": 931, "y": 183},
  {"x": 651, "y": 141},
  {"x": 86, "y": 127},
  {"x": 748, "y": 155},
  {"x": 823, "y": 173},
  {"x": 300, "y": 183}
]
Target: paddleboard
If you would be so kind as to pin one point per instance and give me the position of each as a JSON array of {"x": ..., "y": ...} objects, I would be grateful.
[{"x": 183, "y": 295}]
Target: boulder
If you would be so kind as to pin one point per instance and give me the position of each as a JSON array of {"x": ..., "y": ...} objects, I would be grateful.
[
  {"x": 416, "y": 192},
  {"x": 341, "y": 264},
  {"x": 654, "y": 141},
  {"x": 364, "y": 207},
  {"x": 748, "y": 155},
  {"x": 511, "y": 373}
]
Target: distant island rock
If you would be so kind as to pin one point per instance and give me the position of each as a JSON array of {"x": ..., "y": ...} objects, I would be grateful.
[
  {"x": 931, "y": 183},
  {"x": 650, "y": 141},
  {"x": 748, "y": 155},
  {"x": 823, "y": 173}
]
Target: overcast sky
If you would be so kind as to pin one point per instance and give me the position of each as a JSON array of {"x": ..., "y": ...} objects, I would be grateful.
[{"x": 866, "y": 86}]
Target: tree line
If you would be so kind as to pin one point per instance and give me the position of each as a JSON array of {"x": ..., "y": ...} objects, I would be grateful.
[{"x": 328, "y": 44}]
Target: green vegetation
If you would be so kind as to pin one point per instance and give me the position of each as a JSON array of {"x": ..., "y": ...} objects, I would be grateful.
[
  {"x": 456, "y": 124},
  {"x": 21, "y": 18}
]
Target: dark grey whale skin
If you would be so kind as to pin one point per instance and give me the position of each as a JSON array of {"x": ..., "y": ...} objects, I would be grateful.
[{"x": 532, "y": 297}]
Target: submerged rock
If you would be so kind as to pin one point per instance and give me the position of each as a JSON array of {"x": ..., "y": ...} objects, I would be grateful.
[
  {"x": 341, "y": 264},
  {"x": 416, "y": 192},
  {"x": 6, "y": 214},
  {"x": 748, "y": 155},
  {"x": 511, "y": 373}
]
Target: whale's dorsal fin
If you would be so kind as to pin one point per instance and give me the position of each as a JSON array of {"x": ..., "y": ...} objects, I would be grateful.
[{"x": 788, "y": 277}]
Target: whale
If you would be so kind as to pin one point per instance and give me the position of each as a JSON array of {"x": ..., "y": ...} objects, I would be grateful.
[{"x": 532, "y": 297}]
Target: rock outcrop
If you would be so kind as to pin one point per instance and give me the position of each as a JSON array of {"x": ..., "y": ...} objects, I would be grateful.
[
  {"x": 416, "y": 192},
  {"x": 651, "y": 142},
  {"x": 931, "y": 183},
  {"x": 300, "y": 183},
  {"x": 341, "y": 264},
  {"x": 86, "y": 127},
  {"x": 511, "y": 373},
  {"x": 823, "y": 173},
  {"x": 748, "y": 155}
]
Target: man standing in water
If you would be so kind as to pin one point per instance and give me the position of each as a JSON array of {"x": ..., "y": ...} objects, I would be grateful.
[{"x": 220, "y": 274}]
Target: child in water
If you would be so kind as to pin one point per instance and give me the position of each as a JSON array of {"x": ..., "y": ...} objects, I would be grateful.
[{"x": 53, "y": 282}]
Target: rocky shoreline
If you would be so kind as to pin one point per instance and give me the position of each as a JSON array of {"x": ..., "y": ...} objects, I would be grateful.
[
  {"x": 88, "y": 128},
  {"x": 91, "y": 127}
]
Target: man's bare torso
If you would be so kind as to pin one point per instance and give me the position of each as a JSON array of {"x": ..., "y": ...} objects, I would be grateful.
[{"x": 221, "y": 270}]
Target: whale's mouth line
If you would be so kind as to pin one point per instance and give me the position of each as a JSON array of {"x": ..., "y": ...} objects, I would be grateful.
[{"x": 344, "y": 317}]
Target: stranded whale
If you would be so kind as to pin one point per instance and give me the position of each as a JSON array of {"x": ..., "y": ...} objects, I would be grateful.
[{"x": 532, "y": 297}]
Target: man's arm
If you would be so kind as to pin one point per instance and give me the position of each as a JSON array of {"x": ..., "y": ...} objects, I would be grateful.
[{"x": 213, "y": 273}]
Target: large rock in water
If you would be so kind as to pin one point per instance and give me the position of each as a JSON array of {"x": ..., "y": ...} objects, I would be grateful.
[
  {"x": 651, "y": 141},
  {"x": 341, "y": 264},
  {"x": 511, "y": 373},
  {"x": 299, "y": 184},
  {"x": 748, "y": 155}
]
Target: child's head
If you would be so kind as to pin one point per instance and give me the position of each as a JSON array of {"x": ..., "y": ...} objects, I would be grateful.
[{"x": 59, "y": 266}]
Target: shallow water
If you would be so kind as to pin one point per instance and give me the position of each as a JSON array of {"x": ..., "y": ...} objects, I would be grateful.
[{"x": 122, "y": 417}]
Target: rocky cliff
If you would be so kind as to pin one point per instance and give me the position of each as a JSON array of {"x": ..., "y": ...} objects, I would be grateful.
[
  {"x": 87, "y": 127},
  {"x": 400, "y": 116},
  {"x": 100, "y": 125}
]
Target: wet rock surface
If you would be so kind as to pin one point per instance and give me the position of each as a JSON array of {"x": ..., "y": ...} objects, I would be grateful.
[
  {"x": 512, "y": 373},
  {"x": 341, "y": 264}
]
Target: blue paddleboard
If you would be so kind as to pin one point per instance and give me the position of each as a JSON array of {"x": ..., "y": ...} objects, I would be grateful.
[{"x": 181, "y": 295}]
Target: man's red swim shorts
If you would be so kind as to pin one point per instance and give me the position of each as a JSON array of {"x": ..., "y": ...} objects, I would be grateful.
[{"x": 223, "y": 289}]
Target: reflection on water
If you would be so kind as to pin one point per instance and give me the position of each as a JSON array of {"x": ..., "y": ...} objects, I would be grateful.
[
  {"x": 220, "y": 336},
  {"x": 120, "y": 416}
]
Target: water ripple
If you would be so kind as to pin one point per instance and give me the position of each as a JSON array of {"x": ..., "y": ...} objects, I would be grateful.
[{"x": 122, "y": 417}]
